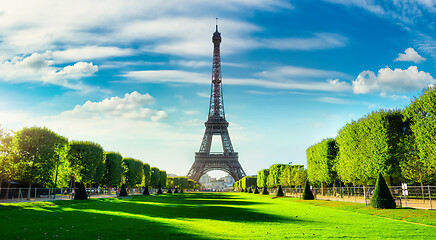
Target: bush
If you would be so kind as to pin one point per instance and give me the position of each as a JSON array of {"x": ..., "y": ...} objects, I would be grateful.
[
  {"x": 123, "y": 191},
  {"x": 279, "y": 192},
  {"x": 256, "y": 191},
  {"x": 159, "y": 191},
  {"x": 175, "y": 191},
  {"x": 181, "y": 190},
  {"x": 81, "y": 193},
  {"x": 265, "y": 191},
  {"x": 307, "y": 194},
  {"x": 243, "y": 190},
  {"x": 169, "y": 190},
  {"x": 382, "y": 197},
  {"x": 249, "y": 190},
  {"x": 146, "y": 192}
]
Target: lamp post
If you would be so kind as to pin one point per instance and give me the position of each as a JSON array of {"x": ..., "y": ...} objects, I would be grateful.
[{"x": 57, "y": 167}]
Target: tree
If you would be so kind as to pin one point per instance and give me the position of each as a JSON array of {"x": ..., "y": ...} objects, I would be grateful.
[
  {"x": 155, "y": 177},
  {"x": 8, "y": 161},
  {"x": 275, "y": 175},
  {"x": 162, "y": 178},
  {"x": 87, "y": 158},
  {"x": 133, "y": 172},
  {"x": 147, "y": 174},
  {"x": 321, "y": 163},
  {"x": 37, "y": 151},
  {"x": 114, "y": 169},
  {"x": 262, "y": 178}
]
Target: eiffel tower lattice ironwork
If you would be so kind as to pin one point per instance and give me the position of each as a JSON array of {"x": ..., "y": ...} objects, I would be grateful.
[{"x": 216, "y": 124}]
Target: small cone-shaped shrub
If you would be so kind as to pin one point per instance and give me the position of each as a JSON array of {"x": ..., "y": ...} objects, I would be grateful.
[
  {"x": 249, "y": 190},
  {"x": 169, "y": 190},
  {"x": 256, "y": 191},
  {"x": 146, "y": 192},
  {"x": 382, "y": 197},
  {"x": 307, "y": 194},
  {"x": 123, "y": 191},
  {"x": 81, "y": 193},
  {"x": 246, "y": 190},
  {"x": 175, "y": 191},
  {"x": 265, "y": 191},
  {"x": 243, "y": 190},
  {"x": 159, "y": 191},
  {"x": 279, "y": 192},
  {"x": 181, "y": 190}
]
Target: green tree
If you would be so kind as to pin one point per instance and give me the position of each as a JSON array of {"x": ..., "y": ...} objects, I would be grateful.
[
  {"x": 37, "y": 150},
  {"x": 8, "y": 161},
  {"x": 114, "y": 169},
  {"x": 321, "y": 163},
  {"x": 262, "y": 178},
  {"x": 154, "y": 177},
  {"x": 87, "y": 158},
  {"x": 147, "y": 174},
  {"x": 163, "y": 178},
  {"x": 275, "y": 175},
  {"x": 133, "y": 172}
]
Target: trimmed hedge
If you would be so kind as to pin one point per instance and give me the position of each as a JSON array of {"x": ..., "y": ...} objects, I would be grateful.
[
  {"x": 123, "y": 191},
  {"x": 176, "y": 191},
  {"x": 382, "y": 197},
  {"x": 307, "y": 194},
  {"x": 169, "y": 190},
  {"x": 146, "y": 192},
  {"x": 249, "y": 190},
  {"x": 279, "y": 192},
  {"x": 159, "y": 191},
  {"x": 265, "y": 191},
  {"x": 256, "y": 191},
  {"x": 81, "y": 193}
]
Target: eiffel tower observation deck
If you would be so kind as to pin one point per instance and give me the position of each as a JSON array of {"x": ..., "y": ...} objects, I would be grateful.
[{"x": 216, "y": 124}]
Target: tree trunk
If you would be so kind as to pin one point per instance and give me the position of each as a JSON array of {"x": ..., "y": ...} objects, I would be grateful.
[
  {"x": 7, "y": 190},
  {"x": 28, "y": 191}
]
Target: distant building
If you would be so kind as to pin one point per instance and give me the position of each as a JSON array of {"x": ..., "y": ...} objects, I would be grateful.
[
  {"x": 212, "y": 183},
  {"x": 172, "y": 175}
]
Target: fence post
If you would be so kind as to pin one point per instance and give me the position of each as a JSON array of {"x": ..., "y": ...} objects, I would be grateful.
[{"x": 429, "y": 195}]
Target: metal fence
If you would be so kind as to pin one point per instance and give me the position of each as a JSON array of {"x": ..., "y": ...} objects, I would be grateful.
[
  {"x": 45, "y": 194},
  {"x": 410, "y": 196}
]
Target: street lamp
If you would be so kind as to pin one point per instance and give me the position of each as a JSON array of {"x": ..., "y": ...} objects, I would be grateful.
[{"x": 57, "y": 167}]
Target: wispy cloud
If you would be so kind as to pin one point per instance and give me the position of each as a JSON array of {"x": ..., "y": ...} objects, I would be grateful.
[
  {"x": 410, "y": 55},
  {"x": 319, "y": 41},
  {"x": 333, "y": 100}
]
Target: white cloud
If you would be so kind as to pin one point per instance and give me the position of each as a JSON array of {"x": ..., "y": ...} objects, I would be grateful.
[
  {"x": 90, "y": 53},
  {"x": 129, "y": 107},
  {"x": 410, "y": 55},
  {"x": 191, "y": 64},
  {"x": 319, "y": 41},
  {"x": 396, "y": 80},
  {"x": 175, "y": 76},
  {"x": 38, "y": 68},
  {"x": 333, "y": 100},
  {"x": 295, "y": 71},
  {"x": 203, "y": 94}
]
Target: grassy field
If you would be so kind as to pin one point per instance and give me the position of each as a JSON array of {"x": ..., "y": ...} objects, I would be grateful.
[{"x": 211, "y": 216}]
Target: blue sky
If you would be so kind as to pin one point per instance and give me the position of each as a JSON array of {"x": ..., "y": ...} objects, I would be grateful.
[{"x": 135, "y": 76}]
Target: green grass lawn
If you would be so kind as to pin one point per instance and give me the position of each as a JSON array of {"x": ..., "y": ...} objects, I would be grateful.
[{"x": 211, "y": 216}]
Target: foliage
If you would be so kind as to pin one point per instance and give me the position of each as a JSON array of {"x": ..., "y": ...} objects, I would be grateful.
[
  {"x": 37, "y": 151},
  {"x": 123, "y": 191},
  {"x": 256, "y": 191},
  {"x": 163, "y": 178},
  {"x": 294, "y": 175},
  {"x": 81, "y": 193},
  {"x": 307, "y": 194},
  {"x": 147, "y": 174},
  {"x": 114, "y": 169},
  {"x": 154, "y": 177},
  {"x": 372, "y": 144},
  {"x": 279, "y": 192},
  {"x": 275, "y": 175},
  {"x": 262, "y": 178},
  {"x": 248, "y": 182},
  {"x": 133, "y": 172},
  {"x": 87, "y": 158},
  {"x": 321, "y": 162},
  {"x": 382, "y": 197}
]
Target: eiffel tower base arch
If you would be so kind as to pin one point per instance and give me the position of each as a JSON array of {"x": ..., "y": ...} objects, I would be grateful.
[{"x": 205, "y": 162}]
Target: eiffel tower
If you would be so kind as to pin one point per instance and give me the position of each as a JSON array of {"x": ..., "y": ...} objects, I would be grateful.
[{"x": 216, "y": 124}]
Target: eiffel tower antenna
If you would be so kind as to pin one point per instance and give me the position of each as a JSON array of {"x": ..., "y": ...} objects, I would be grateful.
[{"x": 216, "y": 124}]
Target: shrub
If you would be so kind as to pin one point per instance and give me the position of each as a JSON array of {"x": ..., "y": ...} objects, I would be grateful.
[
  {"x": 175, "y": 191},
  {"x": 279, "y": 192},
  {"x": 256, "y": 191},
  {"x": 81, "y": 193},
  {"x": 146, "y": 192},
  {"x": 249, "y": 190},
  {"x": 382, "y": 197},
  {"x": 307, "y": 194},
  {"x": 181, "y": 190},
  {"x": 265, "y": 191},
  {"x": 123, "y": 191},
  {"x": 159, "y": 191},
  {"x": 243, "y": 190},
  {"x": 169, "y": 190}
]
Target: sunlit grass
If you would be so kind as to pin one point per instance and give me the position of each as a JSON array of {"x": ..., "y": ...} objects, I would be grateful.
[{"x": 210, "y": 216}]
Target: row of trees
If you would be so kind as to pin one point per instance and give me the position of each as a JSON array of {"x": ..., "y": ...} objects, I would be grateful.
[
  {"x": 400, "y": 144},
  {"x": 277, "y": 175},
  {"x": 39, "y": 156},
  {"x": 181, "y": 183}
]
